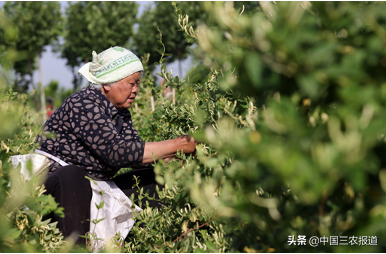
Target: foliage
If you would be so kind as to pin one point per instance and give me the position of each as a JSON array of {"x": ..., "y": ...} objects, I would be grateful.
[
  {"x": 56, "y": 93},
  {"x": 38, "y": 24},
  {"x": 184, "y": 227},
  {"x": 22, "y": 203},
  {"x": 95, "y": 26},
  {"x": 248, "y": 8},
  {"x": 293, "y": 130},
  {"x": 199, "y": 73},
  {"x": 29, "y": 224},
  {"x": 161, "y": 16},
  {"x": 8, "y": 36}
]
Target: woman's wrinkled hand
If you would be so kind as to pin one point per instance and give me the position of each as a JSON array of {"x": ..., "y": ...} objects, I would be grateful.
[
  {"x": 167, "y": 149},
  {"x": 186, "y": 143}
]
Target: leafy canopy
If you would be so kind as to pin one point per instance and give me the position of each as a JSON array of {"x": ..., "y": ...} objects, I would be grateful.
[{"x": 95, "y": 26}]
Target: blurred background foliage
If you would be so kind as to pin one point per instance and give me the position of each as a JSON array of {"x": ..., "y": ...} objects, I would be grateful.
[
  {"x": 287, "y": 100},
  {"x": 292, "y": 125},
  {"x": 97, "y": 26},
  {"x": 38, "y": 24}
]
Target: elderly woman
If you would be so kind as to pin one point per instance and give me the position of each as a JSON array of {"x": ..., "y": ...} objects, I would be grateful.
[{"x": 92, "y": 134}]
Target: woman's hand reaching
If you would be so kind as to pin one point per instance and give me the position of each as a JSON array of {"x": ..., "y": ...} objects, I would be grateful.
[
  {"x": 167, "y": 149},
  {"x": 186, "y": 143}
]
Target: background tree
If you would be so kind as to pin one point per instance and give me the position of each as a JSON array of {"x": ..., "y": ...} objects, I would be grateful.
[
  {"x": 162, "y": 15},
  {"x": 22, "y": 76},
  {"x": 39, "y": 24},
  {"x": 56, "y": 93},
  {"x": 198, "y": 73},
  {"x": 8, "y": 36},
  {"x": 95, "y": 26}
]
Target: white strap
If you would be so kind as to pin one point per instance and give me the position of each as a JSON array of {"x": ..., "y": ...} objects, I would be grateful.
[{"x": 62, "y": 163}]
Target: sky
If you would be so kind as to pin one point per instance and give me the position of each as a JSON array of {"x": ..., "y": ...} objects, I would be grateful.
[{"x": 54, "y": 68}]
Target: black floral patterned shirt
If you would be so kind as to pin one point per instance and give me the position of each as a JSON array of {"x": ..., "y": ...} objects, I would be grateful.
[{"x": 83, "y": 132}]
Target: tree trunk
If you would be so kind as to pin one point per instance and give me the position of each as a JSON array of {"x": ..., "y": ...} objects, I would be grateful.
[
  {"x": 42, "y": 92},
  {"x": 74, "y": 81},
  {"x": 152, "y": 103},
  {"x": 33, "y": 85},
  {"x": 77, "y": 80}
]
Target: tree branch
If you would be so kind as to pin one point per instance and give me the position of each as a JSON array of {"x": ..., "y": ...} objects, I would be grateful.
[{"x": 185, "y": 233}]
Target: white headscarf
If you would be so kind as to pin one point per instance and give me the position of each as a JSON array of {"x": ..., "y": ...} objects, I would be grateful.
[{"x": 110, "y": 66}]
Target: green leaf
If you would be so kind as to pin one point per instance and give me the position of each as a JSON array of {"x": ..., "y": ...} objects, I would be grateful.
[
  {"x": 100, "y": 205},
  {"x": 210, "y": 246},
  {"x": 100, "y": 220},
  {"x": 163, "y": 67},
  {"x": 14, "y": 233},
  {"x": 59, "y": 212}
]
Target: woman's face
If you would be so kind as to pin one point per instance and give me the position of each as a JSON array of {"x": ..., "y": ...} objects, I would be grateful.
[{"x": 123, "y": 93}]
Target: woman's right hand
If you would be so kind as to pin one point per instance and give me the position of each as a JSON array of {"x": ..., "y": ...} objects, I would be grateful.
[
  {"x": 186, "y": 143},
  {"x": 168, "y": 148}
]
